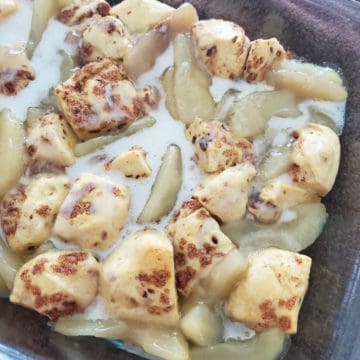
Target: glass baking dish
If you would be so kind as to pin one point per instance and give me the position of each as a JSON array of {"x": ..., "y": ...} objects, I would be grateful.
[{"x": 329, "y": 329}]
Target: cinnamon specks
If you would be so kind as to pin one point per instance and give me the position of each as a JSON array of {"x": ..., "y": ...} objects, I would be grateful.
[
  {"x": 67, "y": 264},
  {"x": 30, "y": 150},
  {"x": 39, "y": 267},
  {"x": 66, "y": 308},
  {"x": 179, "y": 259},
  {"x": 203, "y": 143},
  {"x": 288, "y": 304},
  {"x": 158, "y": 278},
  {"x": 184, "y": 276},
  {"x": 103, "y": 8},
  {"x": 110, "y": 28},
  {"x": 154, "y": 310},
  {"x": 116, "y": 191},
  {"x": 285, "y": 323},
  {"x": 297, "y": 174},
  {"x": 65, "y": 15},
  {"x": 43, "y": 211},
  {"x": 11, "y": 210},
  {"x": 211, "y": 51},
  {"x": 51, "y": 305},
  {"x": 133, "y": 302},
  {"x": 202, "y": 214},
  {"x": 270, "y": 318},
  {"x": 80, "y": 208},
  {"x": 268, "y": 311},
  {"x": 192, "y": 251},
  {"x": 164, "y": 299}
]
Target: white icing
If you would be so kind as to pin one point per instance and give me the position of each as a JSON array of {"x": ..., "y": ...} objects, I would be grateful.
[
  {"x": 16, "y": 27},
  {"x": 236, "y": 331},
  {"x": 334, "y": 110},
  {"x": 233, "y": 330},
  {"x": 284, "y": 178},
  {"x": 46, "y": 61},
  {"x": 152, "y": 77},
  {"x": 219, "y": 87},
  {"x": 287, "y": 215}
]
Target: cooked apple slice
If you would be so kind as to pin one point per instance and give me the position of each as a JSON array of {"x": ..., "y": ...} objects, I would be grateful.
[
  {"x": 304, "y": 224},
  {"x": 10, "y": 263},
  {"x": 42, "y": 11},
  {"x": 168, "y": 85},
  {"x": 191, "y": 84},
  {"x": 11, "y": 150},
  {"x": 307, "y": 80},
  {"x": 248, "y": 116},
  {"x": 143, "y": 54},
  {"x": 265, "y": 346},
  {"x": 225, "y": 275},
  {"x": 74, "y": 326},
  {"x": 201, "y": 326},
  {"x": 276, "y": 162},
  {"x": 163, "y": 342},
  {"x": 166, "y": 187}
]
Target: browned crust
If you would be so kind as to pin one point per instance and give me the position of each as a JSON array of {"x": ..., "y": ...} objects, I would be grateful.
[
  {"x": 67, "y": 264},
  {"x": 10, "y": 210},
  {"x": 20, "y": 79},
  {"x": 51, "y": 305},
  {"x": 68, "y": 14},
  {"x": 87, "y": 121}
]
